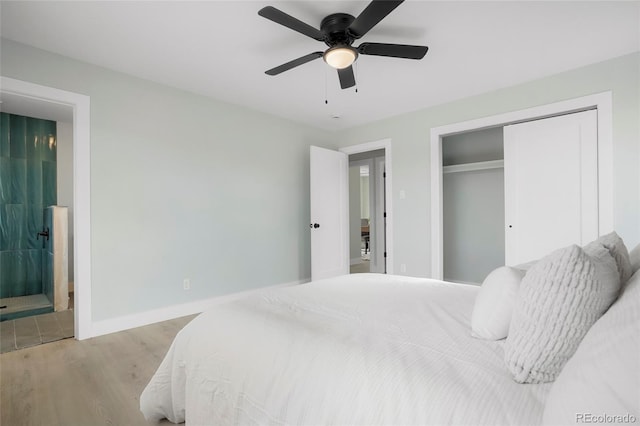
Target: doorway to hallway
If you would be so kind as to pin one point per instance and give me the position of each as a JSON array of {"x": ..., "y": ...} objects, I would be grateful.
[{"x": 367, "y": 242}]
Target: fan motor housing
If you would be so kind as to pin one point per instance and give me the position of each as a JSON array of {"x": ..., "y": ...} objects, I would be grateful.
[{"x": 334, "y": 27}]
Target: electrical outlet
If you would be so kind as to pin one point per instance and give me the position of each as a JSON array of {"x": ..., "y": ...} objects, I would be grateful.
[
  {"x": 186, "y": 284},
  {"x": 403, "y": 267}
]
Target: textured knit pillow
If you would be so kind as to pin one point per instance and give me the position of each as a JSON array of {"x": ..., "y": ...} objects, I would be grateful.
[
  {"x": 603, "y": 376},
  {"x": 559, "y": 299},
  {"x": 619, "y": 252},
  {"x": 493, "y": 307}
]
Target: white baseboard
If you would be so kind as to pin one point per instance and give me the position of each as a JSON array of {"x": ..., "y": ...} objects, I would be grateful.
[{"x": 127, "y": 322}]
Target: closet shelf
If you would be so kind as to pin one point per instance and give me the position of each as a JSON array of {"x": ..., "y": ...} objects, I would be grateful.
[{"x": 469, "y": 167}]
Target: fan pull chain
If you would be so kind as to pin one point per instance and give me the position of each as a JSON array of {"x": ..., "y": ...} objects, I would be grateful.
[
  {"x": 356, "y": 76},
  {"x": 326, "y": 101}
]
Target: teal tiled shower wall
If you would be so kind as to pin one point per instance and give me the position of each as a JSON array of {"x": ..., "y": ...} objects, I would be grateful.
[{"x": 27, "y": 185}]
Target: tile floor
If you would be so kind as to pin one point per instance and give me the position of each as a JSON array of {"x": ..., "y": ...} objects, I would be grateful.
[
  {"x": 31, "y": 331},
  {"x": 24, "y": 303}
]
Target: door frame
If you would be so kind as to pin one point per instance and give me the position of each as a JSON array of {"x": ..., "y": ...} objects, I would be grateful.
[
  {"x": 602, "y": 102},
  {"x": 378, "y": 259},
  {"x": 374, "y": 146},
  {"x": 81, "y": 107}
]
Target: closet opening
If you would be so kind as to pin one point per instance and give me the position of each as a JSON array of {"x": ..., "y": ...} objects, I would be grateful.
[
  {"x": 473, "y": 204},
  {"x": 543, "y": 146}
]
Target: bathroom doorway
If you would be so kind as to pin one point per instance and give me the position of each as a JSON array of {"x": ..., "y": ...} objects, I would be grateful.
[
  {"x": 35, "y": 302},
  {"x": 26, "y": 98}
]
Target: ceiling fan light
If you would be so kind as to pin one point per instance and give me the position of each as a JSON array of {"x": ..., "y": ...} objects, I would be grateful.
[{"x": 340, "y": 56}]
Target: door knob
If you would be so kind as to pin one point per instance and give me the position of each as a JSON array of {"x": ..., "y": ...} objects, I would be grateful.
[{"x": 314, "y": 225}]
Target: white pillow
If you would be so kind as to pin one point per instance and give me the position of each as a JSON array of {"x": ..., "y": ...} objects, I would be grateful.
[
  {"x": 493, "y": 307},
  {"x": 603, "y": 376},
  {"x": 618, "y": 250},
  {"x": 560, "y": 297},
  {"x": 634, "y": 259},
  {"x": 605, "y": 271}
]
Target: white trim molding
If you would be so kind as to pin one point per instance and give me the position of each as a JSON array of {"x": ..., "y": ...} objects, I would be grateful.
[
  {"x": 372, "y": 146},
  {"x": 602, "y": 102},
  {"x": 81, "y": 107},
  {"x": 127, "y": 322}
]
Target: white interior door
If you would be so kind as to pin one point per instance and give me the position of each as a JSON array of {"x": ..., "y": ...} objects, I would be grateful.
[
  {"x": 329, "y": 224},
  {"x": 551, "y": 185}
]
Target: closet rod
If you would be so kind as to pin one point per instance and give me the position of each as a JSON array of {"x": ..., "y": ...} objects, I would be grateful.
[{"x": 469, "y": 167}]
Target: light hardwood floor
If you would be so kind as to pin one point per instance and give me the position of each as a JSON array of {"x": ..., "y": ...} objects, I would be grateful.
[
  {"x": 360, "y": 268},
  {"x": 91, "y": 382}
]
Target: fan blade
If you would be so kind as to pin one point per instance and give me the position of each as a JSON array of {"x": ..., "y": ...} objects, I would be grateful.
[
  {"x": 289, "y": 21},
  {"x": 371, "y": 15},
  {"x": 394, "y": 50},
  {"x": 347, "y": 79},
  {"x": 292, "y": 64}
]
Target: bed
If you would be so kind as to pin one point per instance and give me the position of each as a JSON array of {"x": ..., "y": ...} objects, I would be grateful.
[{"x": 360, "y": 349}]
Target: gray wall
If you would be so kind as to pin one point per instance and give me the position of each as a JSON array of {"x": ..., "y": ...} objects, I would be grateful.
[
  {"x": 174, "y": 193},
  {"x": 365, "y": 198},
  {"x": 473, "y": 220},
  {"x": 410, "y": 136},
  {"x": 354, "y": 214},
  {"x": 472, "y": 147}
]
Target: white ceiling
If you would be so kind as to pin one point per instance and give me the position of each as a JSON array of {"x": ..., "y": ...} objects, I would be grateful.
[{"x": 222, "y": 48}]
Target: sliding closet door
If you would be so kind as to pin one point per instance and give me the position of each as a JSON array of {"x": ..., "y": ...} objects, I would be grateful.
[{"x": 551, "y": 185}]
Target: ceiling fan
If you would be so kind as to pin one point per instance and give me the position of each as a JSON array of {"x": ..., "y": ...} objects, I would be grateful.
[{"x": 339, "y": 31}]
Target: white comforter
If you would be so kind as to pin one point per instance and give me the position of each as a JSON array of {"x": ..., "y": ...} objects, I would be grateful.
[{"x": 360, "y": 349}]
